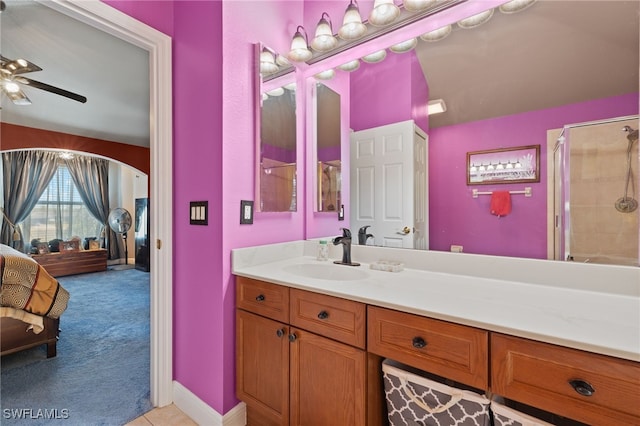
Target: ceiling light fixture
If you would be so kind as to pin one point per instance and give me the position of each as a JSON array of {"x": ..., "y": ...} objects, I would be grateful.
[
  {"x": 404, "y": 46},
  {"x": 352, "y": 26},
  {"x": 417, "y": 5},
  {"x": 374, "y": 57},
  {"x": 514, "y": 6},
  {"x": 383, "y": 13},
  {"x": 10, "y": 86},
  {"x": 300, "y": 51},
  {"x": 350, "y": 66},
  {"x": 324, "y": 39},
  {"x": 475, "y": 20},
  {"x": 436, "y": 106},
  {"x": 437, "y": 35}
]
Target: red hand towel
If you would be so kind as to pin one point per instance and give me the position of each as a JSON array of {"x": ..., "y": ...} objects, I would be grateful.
[{"x": 500, "y": 203}]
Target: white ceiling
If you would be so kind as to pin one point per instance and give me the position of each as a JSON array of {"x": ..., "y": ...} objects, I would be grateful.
[{"x": 554, "y": 53}]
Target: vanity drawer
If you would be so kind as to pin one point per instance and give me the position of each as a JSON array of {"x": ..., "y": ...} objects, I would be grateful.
[
  {"x": 339, "y": 319},
  {"x": 262, "y": 298},
  {"x": 540, "y": 374},
  {"x": 453, "y": 351}
]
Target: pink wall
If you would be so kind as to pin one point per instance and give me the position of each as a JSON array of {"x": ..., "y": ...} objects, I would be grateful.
[
  {"x": 455, "y": 217},
  {"x": 388, "y": 92}
]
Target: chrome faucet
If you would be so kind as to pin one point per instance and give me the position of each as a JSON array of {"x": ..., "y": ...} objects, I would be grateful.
[
  {"x": 363, "y": 236},
  {"x": 345, "y": 240}
]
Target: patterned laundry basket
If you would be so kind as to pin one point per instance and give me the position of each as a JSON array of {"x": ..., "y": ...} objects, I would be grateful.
[
  {"x": 414, "y": 400},
  {"x": 505, "y": 416}
]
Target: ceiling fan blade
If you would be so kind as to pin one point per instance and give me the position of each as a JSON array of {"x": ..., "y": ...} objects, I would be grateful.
[
  {"x": 52, "y": 89},
  {"x": 18, "y": 66}
]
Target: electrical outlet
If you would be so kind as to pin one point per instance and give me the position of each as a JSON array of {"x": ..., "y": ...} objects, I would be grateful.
[{"x": 456, "y": 249}]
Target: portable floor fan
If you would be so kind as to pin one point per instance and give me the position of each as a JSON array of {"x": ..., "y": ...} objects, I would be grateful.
[{"x": 120, "y": 222}]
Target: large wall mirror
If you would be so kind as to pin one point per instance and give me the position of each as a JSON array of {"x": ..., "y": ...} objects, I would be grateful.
[
  {"x": 507, "y": 83},
  {"x": 276, "y": 186},
  {"x": 328, "y": 146}
]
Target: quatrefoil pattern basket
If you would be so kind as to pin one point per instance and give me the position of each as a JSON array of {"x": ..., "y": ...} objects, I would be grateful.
[{"x": 414, "y": 400}]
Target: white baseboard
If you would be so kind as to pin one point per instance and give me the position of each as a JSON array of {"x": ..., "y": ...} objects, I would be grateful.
[{"x": 203, "y": 414}]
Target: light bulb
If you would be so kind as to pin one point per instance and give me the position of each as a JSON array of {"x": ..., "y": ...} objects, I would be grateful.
[
  {"x": 437, "y": 35},
  {"x": 350, "y": 66},
  {"x": 324, "y": 39},
  {"x": 475, "y": 20},
  {"x": 352, "y": 26},
  {"x": 299, "y": 48},
  {"x": 418, "y": 5},
  {"x": 384, "y": 12},
  {"x": 374, "y": 57},
  {"x": 404, "y": 46}
]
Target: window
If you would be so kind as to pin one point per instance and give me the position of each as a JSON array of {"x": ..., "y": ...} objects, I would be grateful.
[{"x": 60, "y": 212}]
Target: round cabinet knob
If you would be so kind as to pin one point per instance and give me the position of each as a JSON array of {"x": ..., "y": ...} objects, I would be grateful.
[
  {"x": 419, "y": 343},
  {"x": 292, "y": 337},
  {"x": 582, "y": 387},
  {"x": 280, "y": 332},
  {"x": 323, "y": 315},
  {"x": 260, "y": 298}
]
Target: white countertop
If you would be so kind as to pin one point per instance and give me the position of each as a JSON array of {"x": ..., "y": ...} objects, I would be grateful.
[{"x": 565, "y": 314}]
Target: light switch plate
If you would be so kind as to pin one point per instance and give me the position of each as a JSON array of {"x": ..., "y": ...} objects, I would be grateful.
[
  {"x": 246, "y": 212},
  {"x": 199, "y": 212}
]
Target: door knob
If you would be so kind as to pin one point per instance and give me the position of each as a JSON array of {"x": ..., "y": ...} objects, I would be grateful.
[{"x": 406, "y": 230}]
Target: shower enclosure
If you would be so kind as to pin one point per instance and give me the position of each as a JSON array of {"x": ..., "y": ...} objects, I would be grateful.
[{"x": 596, "y": 181}]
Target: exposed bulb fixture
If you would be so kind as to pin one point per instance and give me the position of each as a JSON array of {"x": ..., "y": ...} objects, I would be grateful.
[
  {"x": 418, "y": 5},
  {"x": 475, "y": 20},
  {"x": 436, "y": 106},
  {"x": 326, "y": 74},
  {"x": 324, "y": 39},
  {"x": 374, "y": 57},
  {"x": 352, "y": 26},
  {"x": 350, "y": 66},
  {"x": 10, "y": 86},
  {"x": 278, "y": 91},
  {"x": 300, "y": 51},
  {"x": 383, "y": 13},
  {"x": 267, "y": 62},
  {"x": 514, "y": 6},
  {"x": 437, "y": 35},
  {"x": 282, "y": 61},
  {"x": 404, "y": 46}
]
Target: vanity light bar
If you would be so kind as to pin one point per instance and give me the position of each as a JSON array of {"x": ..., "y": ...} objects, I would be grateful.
[{"x": 403, "y": 20}]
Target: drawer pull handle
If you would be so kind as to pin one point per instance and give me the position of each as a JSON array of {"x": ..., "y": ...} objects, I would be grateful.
[
  {"x": 280, "y": 332},
  {"x": 582, "y": 387},
  {"x": 419, "y": 343},
  {"x": 260, "y": 298},
  {"x": 323, "y": 315},
  {"x": 292, "y": 337}
]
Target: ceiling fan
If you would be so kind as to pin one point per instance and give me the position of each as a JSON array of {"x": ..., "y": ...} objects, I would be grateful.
[{"x": 11, "y": 78}]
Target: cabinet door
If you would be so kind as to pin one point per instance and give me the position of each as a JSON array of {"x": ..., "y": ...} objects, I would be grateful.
[
  {"x": 262, "y": 357},
  {"x": 328, "y": 382}
]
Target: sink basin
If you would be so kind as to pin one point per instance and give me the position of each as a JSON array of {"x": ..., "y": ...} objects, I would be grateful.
[{"x": 329, "y": 272}]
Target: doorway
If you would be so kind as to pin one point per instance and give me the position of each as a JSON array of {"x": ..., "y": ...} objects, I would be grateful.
[{"x": 105, "y": 18}]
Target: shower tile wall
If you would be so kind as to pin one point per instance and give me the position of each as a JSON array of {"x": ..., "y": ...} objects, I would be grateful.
[{"x": 598, "y": 164}]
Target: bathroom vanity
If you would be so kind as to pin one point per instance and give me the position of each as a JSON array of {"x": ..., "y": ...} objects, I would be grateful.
[{"x": 311, "y": 336}]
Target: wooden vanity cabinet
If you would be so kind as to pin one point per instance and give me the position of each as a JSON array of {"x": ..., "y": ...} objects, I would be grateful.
[
  {"x": 587, "y": 387},
  {"x": 289, "y": 372},
  {"x": 453, "y": 351}
]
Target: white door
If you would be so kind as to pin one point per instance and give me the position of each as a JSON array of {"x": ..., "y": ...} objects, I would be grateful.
[{"x": 383, "y": 189}]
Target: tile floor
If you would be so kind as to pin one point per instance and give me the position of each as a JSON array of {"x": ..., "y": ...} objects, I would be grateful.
[{"x": 164, "y": 416}]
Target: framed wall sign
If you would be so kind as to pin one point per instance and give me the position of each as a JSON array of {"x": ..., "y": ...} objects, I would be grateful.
[{"x": 506, "y": 165}]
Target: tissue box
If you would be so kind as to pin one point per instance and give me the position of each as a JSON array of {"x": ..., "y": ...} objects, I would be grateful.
[{"x": 387, "y": 265}]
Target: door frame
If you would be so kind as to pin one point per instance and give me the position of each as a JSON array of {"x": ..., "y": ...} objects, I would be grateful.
[{"x": 112, "y": 21}]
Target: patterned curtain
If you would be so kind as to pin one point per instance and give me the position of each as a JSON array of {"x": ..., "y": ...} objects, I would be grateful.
[
  {"x": 26, "y": 175},
  {"x": 91, "y": 177}
]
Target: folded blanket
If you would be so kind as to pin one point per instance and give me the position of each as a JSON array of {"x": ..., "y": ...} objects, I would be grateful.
[{"x": 28, "y": 286}]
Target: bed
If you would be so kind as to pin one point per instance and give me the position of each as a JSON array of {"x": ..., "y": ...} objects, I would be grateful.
[{"x": 31, "y": 303}]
